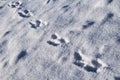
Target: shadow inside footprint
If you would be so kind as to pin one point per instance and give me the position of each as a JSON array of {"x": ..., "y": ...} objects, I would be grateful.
[
  {"x": 21, "y": 55},
  {"x": 54, "y": 36},
  {"x": 109, "y": 1},
  {"x": 6, "y": 33},
  {"x": 90, "y": 69},
  {"x": 117, "y": 78},
  {"x": 1, "y": 7},
  {"x": 79, "y": 64},
  {"x": 22, "y": 15},
  {"x": 32, "y": 25},
  {"x": 96, "y": 63},
  {"x": 88, "y": 24},
  {"x": 48, "y": 1},
  {"x": 77, "y": 56},
  {"x": 52, "y": 43},
  {"x": 36, "y": 24},
  {"x": 62, "y": 40},
  {"x": 66, "y": 8},
  {"x": 110, "y": 15}
]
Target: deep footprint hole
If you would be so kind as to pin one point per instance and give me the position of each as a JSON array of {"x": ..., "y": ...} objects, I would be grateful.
[
  {"x": 7, "y": 33},
  {"x": 88, "y": 24},
  {"x": 90, "y": 69},
  {"x": 62, "y": 40},
  {"x": 21, "y": 55},
  {"x": 96, "y": 64},
  {"x": 79, "y": 64},
  {"x": 77, "y": 56},
  {"x": 52, "y": 43},
  {"x": 110, "y": 15},
  {"x": 53, "y": 36}
]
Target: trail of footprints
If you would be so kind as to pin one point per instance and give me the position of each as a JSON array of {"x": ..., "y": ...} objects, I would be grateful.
[
  {"x": 57, "y": 40},
  {"x": 87, "y": 63},
  {"x": 15, "y": 4},
  {"x": 89, "y": 23},
  {"x": 22, "y": 12},
  {"x": 25, "y": 13}
]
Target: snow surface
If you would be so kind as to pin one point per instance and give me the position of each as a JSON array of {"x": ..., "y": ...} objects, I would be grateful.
[{"x": 59, "y": 39}]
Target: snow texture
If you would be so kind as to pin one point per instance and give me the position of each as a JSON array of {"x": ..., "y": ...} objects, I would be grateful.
[{"x": 59, "y": 39}]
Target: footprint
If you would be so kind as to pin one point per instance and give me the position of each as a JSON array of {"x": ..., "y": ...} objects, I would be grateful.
[
  {"x": 66, "y": 8},
  {"x": 35, "y": 24},
  {"x": 79, "y": 64},
  {"x": 118, "y": 40},
  {"x": 87, "y": 63},
  {"x": 1, "y": 7},
  {"x": 3, "y": 63},
  {"x": 21, "y": 55},
  {"x": 110, "y": 15},
  {"x": 48, "y": 1},
  {"x": 90, "y": 68},
  {"x": 15, "y": 4},
  {"x": 54, "y": 40},
  {"x": 99, "y": 64},
  {"x": 63, "y": 40},
  {"x": 117, "y": 78},
  {"x": 78, "y": 60},
  {"x": 25, "y": 13},
  {"x": 55, "y": 36},
  {"x": 88, "y": 24},
  {"x": 7, "y": 33},
  {"x": 2, "y": 4},
  {"x": 96, "y": 63},
  {"x": 77, "y": 56},
  {"x": 57, "y": 40},
  {"x": 3, "y": 46},
  {"x": 109, "y": 1},
  {"x": 53, "y": 43}
]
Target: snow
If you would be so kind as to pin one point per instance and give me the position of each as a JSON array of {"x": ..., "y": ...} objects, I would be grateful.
[{"x": 59, "y": 39}]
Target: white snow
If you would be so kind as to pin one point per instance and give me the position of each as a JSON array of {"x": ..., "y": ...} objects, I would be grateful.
[{"x": 59, "y": 39}]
